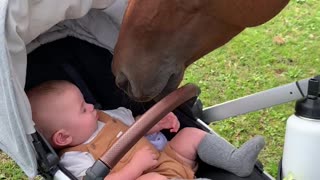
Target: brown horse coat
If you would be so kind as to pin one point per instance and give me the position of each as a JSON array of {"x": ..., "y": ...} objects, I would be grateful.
[{"x": 160, "y": 38}]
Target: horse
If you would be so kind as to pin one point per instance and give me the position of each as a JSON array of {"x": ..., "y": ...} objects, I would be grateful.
[{"x": 159, "y": 39}]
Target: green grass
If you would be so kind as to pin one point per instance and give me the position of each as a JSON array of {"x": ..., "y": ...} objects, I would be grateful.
[
  {"x": 9, "y": 169},
  {"x": 284, "y": 50}
]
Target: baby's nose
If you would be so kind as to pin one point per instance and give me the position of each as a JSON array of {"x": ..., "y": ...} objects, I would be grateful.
[{"x": 90, "y": 107}]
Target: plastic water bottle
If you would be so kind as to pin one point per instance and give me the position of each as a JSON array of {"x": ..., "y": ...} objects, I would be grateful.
[{"x": 301, "y": 154}]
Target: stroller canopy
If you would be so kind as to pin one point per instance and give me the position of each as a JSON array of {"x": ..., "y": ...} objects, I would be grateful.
[{"x": 24, "y": 26}]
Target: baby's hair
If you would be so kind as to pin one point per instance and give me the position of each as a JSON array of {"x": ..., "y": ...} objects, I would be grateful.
[
  {"x": 38, "y": 95},
  {"x": 48, "y": 87}
]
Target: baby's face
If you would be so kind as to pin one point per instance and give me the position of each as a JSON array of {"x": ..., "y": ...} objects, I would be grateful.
[{"x": 81, "y": 118}]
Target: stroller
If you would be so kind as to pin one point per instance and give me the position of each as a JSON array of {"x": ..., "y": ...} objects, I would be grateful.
[
  {"x": 108, "y": 96},
  {"x": 57, "y": 55}
]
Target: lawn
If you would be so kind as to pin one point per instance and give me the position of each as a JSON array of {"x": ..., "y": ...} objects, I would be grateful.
[{"x": 281, "y": 51}]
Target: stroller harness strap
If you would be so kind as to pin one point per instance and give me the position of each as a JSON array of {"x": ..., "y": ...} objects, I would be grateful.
[{"x": 169, "y": 164}]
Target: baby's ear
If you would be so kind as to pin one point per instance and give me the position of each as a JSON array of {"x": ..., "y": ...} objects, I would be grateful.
[{"x": 61, "y": 138}]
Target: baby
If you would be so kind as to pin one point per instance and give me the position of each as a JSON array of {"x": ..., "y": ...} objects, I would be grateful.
[{"x": 82, "y": 134}]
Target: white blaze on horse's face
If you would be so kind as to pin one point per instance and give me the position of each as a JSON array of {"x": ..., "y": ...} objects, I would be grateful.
[{"x": 160, "y": 38}]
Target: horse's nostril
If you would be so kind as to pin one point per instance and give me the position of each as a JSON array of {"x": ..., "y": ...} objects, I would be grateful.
[{"x": 122, "y": 81}]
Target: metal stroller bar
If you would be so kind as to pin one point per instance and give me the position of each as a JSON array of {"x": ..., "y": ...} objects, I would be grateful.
[{"x": 275, "y": 96}]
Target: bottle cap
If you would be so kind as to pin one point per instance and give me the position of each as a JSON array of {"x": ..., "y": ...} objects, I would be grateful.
[{"x": 309, "y": 106}]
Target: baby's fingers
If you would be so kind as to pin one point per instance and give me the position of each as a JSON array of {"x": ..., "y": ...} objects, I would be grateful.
[{"x": 175, "y": 126}]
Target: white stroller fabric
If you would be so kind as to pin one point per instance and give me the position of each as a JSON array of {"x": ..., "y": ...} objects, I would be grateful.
[
  {"x": 15, "y": 117},
  {"x": 26, "y": 22}
]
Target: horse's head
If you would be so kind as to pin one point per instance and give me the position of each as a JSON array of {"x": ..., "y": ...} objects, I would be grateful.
[{"x": 160, "y": 38}]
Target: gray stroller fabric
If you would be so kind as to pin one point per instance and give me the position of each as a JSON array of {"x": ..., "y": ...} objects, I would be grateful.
[{"x": 99, "y": 27}]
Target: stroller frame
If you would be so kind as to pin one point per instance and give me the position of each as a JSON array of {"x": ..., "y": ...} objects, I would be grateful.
[{"x": 48, "y": 159}]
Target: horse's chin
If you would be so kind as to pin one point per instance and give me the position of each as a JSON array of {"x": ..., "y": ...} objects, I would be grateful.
[
  {"x": 168, "y": 87},
  {"x": 157, "y": 97},
  {"x": 163, "y": 94}
]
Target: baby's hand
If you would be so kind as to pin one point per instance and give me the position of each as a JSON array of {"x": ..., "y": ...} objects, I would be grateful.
[
  {"x": 170, "y": 121},
  {"x": 144, "y": 159}
]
